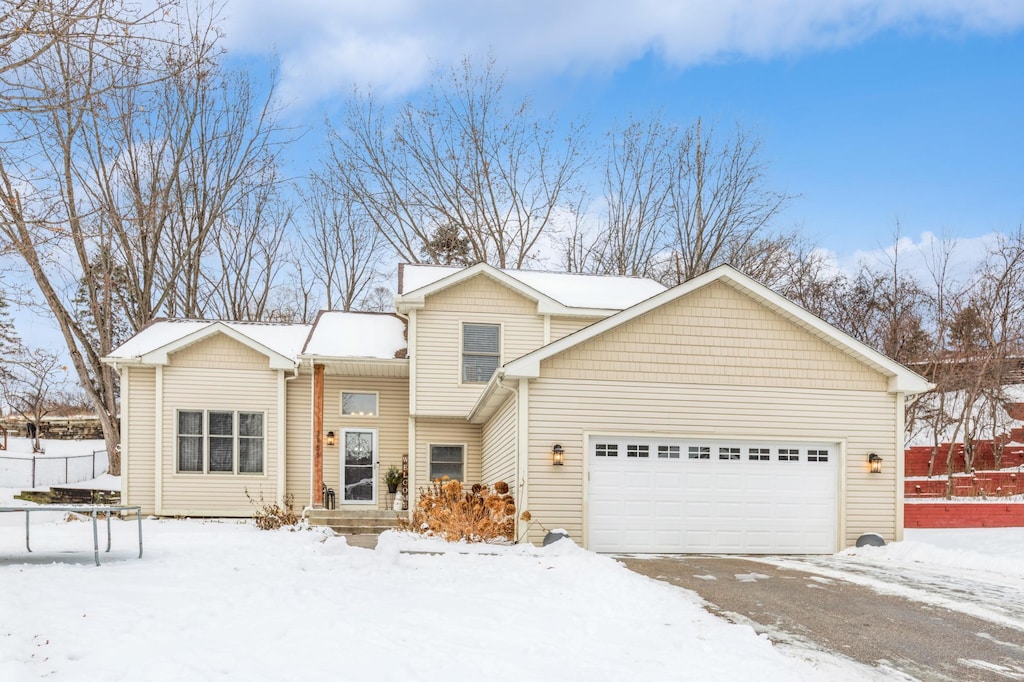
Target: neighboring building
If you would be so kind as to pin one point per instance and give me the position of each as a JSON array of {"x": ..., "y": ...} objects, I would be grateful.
[{"x": 715, "y": 416}]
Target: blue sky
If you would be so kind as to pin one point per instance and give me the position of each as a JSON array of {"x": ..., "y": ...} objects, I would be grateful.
[{"x": 871, "y": 111}]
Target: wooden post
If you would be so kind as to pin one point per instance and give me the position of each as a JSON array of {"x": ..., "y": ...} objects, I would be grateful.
[{"x": 318, "y": 436}]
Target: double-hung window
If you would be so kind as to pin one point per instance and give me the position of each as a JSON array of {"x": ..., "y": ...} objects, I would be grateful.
[
  {"x": 481, "y": 351},
  {"x": 447, "y": 460},
  {"x": 220, "y": 442}
]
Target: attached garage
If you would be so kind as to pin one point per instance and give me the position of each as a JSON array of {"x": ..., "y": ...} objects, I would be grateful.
[{"x": 750, "y": 496}]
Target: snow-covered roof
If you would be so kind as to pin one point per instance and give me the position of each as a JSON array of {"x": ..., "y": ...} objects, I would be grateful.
[
  {"x": 356, "y": 335},
  {"x": 901, "y": 379},
  {"x": 598, "y": 292},
  {"x": 163, "y": 336}
]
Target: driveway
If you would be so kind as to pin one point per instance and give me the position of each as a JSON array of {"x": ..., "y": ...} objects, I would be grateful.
[{"x": 887, "y": 631}]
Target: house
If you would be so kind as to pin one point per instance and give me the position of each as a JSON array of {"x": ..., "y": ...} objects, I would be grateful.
[{"x": 715, "y": 416}]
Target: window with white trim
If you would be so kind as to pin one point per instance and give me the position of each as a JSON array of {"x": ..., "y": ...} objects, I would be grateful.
[
  {"x": 638, "y": 450},
  {"x": 668, "y": 452},
  {"x": 481, "y": 351},
  {"x": 358, "y": 404},
  {"x": 817, "y": 455},
  {"x": 699, "y": 452},
  {"x": 728, "y": 453},
  {"x": 447, "y": 460},
  {"x": 789, "y": 455},
  {"x": 220, "y": 442},
  {"x": 758, "y": 454},
  {"x": 606, "y": 450}
]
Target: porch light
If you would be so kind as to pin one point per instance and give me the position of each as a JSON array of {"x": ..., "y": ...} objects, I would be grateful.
[
  {"x": 876, "y": 463},
  {"x": 331, "y": 440},
  {"x": 557, "y": 455}
]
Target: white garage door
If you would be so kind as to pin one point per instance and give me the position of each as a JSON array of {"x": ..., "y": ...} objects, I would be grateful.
[{"x": 716, "y": 496}]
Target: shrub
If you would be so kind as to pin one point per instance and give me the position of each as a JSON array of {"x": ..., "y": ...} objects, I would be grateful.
[
  {"x": 271, "y": 515},
  {"x": 446, "y": 510}
]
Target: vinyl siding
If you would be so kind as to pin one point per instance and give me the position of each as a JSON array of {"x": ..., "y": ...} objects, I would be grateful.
[
  {"x": 716, "y": 363},
  {"x": 392, "y": 427},
  {"x": 715, "y": 335},
  {"x": 563, "y": 326},
  {"x": 299, "y": 439},
  {"x": 447, "y": 432},
  {"x": 230, "y": 377},
  {"x": 499, "y": 445},
  {"x": 565, "y": 411},
  {"x": 138, "y": 453},
  {"x": 438, "y": 340}
]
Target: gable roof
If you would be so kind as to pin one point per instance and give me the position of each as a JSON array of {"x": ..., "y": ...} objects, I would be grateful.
[
  {"x": 153, "y": 343},
  {"x": 901, "y": 379},
  {"x": 338, "y": 334},
  {"x": 555, "y": 292}
]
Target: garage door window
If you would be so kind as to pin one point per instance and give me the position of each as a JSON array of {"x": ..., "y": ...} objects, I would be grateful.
[
  {"x": 789, "y": 455},
  {"x": 817, "y": 455},
  {"x": 638, "y": 450},
  {"x": 668, "y": 452},
  {"x": 759, "y": 454},
  {"x": 728, "y": 453},
  {"x": 699, "y": 452},
  {"x": 606, "y": 450}
]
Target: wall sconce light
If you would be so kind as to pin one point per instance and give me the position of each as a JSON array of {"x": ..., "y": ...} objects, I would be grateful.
[
  {"x": 557, "y": 455},
  {"x": 331, "y": 440},
  {"x": 876, "y": 463}
]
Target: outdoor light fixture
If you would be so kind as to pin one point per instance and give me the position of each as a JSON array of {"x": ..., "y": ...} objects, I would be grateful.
[
  {"x": 876, "y": 463},
  {"x": 330, "y": 438},
  {"x": 557, "y": 455}
]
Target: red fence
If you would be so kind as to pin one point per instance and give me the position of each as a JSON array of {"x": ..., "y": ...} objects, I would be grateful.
[{"x": 962, "y": 515}]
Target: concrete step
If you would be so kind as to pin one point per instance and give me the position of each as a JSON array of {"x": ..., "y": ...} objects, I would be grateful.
[{"x": 354, "y": 521}]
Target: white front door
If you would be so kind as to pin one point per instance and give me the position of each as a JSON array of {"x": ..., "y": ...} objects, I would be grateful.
[{"x": 359, "y": 466}]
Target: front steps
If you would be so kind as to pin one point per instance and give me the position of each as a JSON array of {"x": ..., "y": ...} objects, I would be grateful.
[{"x": 355, "y": 521}]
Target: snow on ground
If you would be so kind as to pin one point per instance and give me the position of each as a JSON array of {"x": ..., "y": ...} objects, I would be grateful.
[
  {"x": 977, "y": 571},
  {"x": 51, "y": 467},
  {"x": 222, "y": 600}
]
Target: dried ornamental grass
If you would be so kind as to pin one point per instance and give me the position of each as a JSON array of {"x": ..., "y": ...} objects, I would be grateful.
[
  {"x": 446, "y": 510},
  {"x": 271, "y": 515}
]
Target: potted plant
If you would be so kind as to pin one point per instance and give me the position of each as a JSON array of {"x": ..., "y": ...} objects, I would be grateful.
[{"x": 393, "y": 477}]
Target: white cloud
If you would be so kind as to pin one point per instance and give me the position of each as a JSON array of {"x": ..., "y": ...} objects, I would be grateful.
[{"x": 326, "y": 46}]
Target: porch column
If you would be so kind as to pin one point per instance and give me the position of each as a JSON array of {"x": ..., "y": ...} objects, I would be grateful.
[{"x": 318, "y": 436}]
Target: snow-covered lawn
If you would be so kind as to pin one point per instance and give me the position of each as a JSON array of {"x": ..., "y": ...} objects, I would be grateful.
[
  {"x": 51, "y": 467},
  {"x": 223, "y": 600}
]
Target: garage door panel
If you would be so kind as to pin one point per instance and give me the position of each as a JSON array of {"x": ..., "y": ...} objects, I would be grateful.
[{"x": 708, "y": 504}]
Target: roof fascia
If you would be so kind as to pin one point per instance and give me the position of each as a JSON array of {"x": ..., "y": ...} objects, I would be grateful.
[
  {"x": 545, "y": 305},
  {"x": 901, "y": 379},
  {"x": 159, "y": 356}
]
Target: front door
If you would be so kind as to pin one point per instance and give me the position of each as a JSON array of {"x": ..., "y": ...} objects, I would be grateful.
[{"x": 359, "y": 466}]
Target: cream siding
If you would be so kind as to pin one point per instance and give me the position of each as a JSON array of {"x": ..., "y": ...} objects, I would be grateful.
[
  {"x": 719, "y": 364},
  {"x": 218, "y": 373},
  {"x": 563, "y": 326},
  {"x": 715, "y": 335},
  {"x": 438, "y": 334},
  {"x": 138, "y": 452},
  {"x": 498, "y": 445},
  {"x": 299, "y": 439},
  {"x": 447, "y": 432},
  {"x": 391, "y": 424},
  {"x": 566, "y": 411}
]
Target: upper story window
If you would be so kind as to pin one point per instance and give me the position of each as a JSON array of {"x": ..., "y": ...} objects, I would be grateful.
[
  {"x": 481, "y": 351},
  {"x": 358, "y": 404}
]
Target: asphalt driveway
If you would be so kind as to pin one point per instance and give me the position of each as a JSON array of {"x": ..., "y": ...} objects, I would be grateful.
[{"x": 882, "y": 630}]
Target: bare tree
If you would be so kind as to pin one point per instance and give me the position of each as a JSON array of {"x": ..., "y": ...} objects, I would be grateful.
[
  {"x": 464, "y": 158},
  {"x": 29, "y": 383},
  {"x": 721, "y": 210},
  {"x": 340, "y": 244},
  {"x": 638, "y": 177},
  {"x": 115, "y": 208},
  {"x": 37, "y": 35}
]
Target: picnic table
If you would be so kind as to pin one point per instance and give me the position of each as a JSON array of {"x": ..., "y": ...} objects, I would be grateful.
[{"x": 92, "y": 510}]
